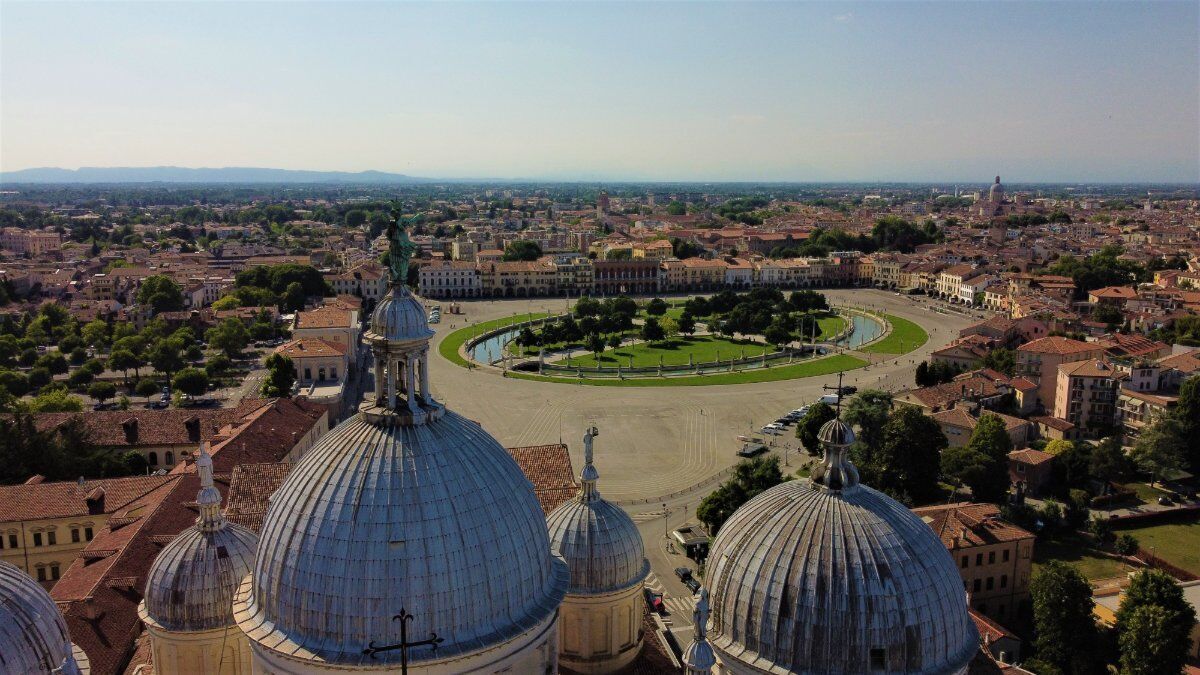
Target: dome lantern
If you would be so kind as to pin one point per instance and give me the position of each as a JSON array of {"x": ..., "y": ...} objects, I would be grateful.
[{"x": 399, "y": 339}]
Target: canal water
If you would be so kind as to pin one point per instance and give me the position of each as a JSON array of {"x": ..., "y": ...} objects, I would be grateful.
[{"x": 491, "y": 349}]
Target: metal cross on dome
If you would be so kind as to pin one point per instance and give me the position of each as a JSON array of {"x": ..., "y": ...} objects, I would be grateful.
[
  {"x": 838, "y": 390},
  {"x": 404, "y": 645}
]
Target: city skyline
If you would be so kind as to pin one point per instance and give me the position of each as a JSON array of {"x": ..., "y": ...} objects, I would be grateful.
[{"x": 815, "y": 92}]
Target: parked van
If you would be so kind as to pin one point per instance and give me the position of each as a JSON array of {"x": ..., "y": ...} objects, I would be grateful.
[{"x": 830, "y": 399}]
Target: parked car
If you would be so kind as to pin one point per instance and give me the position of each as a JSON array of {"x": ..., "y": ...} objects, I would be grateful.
[
  {"x": 684, "y": 573},
  {"x": 655, "y": 600},
  {"x": 848, "y": 390},
  {"x": 1165, "y": 501},
  {"x": 693, "y": 585}
]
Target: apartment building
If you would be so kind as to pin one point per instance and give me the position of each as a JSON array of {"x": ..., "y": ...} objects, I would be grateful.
[
  {"x": 993, "y": 556},
  {"x": 1038, "y": 361},
  {"x": 449, "y": 279},
  {"x": 1086, "y": 396}
]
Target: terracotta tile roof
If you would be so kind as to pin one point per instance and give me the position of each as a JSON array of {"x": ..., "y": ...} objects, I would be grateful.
[
  {"x": 102, "y": 616},
  {"x": 130, "y": 428},
  {"x": 310, "y": 348},
  {"x": 1053, "y": 422},
  {"x": 1120, "y": 344},
  {"x": 989, "y": 629},
  {"x": 70, "y": 498},
  {"x": 1114, "y": 293},
  {"x": 323, "y": 317},
  {"x": 1185, "y": 363},
  {"x": 1056, "y": 344},
  {"x": 250, "y": 489},
  {"x": 981, "y": 524},
  {"x": 1022, "y": 384},
  {"x": 1030, "y": 456},
  {"x": 548, "y": 467},
  {"x": 1089, "y": 368}
]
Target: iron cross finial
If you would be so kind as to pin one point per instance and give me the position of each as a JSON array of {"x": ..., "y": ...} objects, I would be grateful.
[{"x": 404, "y": 645}]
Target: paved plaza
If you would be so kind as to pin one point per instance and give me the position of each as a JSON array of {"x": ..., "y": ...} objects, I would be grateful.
[{"x": 657, "y": 441}]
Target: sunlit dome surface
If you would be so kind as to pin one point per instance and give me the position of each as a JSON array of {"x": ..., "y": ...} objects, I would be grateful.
[{"x": 33, "y": 635}]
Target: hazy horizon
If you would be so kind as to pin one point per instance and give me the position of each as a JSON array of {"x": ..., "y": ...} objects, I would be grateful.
[{"x": 611, "y": 92}]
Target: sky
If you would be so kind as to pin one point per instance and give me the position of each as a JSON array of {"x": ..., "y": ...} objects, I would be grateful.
[{"x": 882, "y": 91}]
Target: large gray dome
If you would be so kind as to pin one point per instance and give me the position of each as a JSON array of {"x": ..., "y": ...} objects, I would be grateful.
[
  {"x": 809, "y": 579},
  {"x": 434, "y": 518},
  {"x": 191, "y": 585},
  {"x": 597, "y": 538},
  {"x": 33, "y": 635},
  {"x": 399, "y": 318}
]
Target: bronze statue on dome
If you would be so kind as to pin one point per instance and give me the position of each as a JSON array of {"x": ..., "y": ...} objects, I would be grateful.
[{"x": 400, "y": 251}]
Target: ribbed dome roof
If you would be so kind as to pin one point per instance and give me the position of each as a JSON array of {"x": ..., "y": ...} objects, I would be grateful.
[
  {"x": 810, "y": 579},
  {"x": 33, "y": 635},
  {"x": 434, "y": 518},
  {"x": 400, "y": 318},
  {"x": 191, "y": 585},
  {"x": 598, "y": 539}
]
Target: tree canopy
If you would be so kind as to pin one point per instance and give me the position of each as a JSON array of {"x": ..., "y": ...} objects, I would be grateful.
[{"x": 750, "y": 478}]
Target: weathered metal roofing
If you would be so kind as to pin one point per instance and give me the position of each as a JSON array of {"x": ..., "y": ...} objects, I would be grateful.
[
  {"x": 435, "y": 518},
  {"x": 599, "y": 541},
  {"x": 399, "y": 318},
  {"x": 33, "y": 635},
  {"x": 810, "y": 579}
]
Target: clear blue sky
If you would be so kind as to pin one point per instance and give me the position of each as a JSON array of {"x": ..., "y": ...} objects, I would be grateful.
[{"x": 1054, "y": 91}]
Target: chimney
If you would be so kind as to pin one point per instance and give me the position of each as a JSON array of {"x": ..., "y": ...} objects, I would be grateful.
[
  {"x": 131, "y": 430},
  {"x": 192, "y": 424}
]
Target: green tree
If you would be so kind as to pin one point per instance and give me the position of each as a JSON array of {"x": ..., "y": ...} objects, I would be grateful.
[
  {"x": 778, "y": 335},
  {"x": 982, "y": 464},
  {"x": 124, "y": 361},
  {"x": 230, "y": 301},
  {"x": 1109, "y": 462},
  {"x": 687, "y": 324},
  {"x": 293, "y": 298},
  {"x": 166, "y": 357},
  {"x": 1001, "y": 360},
  {"x": 595, "y": 344},
  {"x": 656, "y": 307},
  {"x": 230, "y": 336},
  {"x": 750, "y": 478},
  {"x": 102, "y": 391},
  {"x": 1126, "y": 544},
  {"x": 921, "y": 377},
  {"x": 14, "y": 382},
  {"x": 1161, "y": 448},
  {"x": 522, "y": 250},
  {"x": 1187, "y": 413},
  {"x": 39, "y": 377},
  {"x": 191, "y": 381},
  {"x": 53, "y": 362},
  {"x": 160, "y": 293},
  {"x": 217, "y": 365},
  {"x": 676, "y": 208},
  {"x": 1064, "y": 629},
  {"x": 906, "y": 465},
  {"x": 670, "y": 327},
  {"x": 652, "y": 330},
  {"x": 868, "y": 410},
  {"x": 806, "y": 430},
  {"x": 55, "y": 400},
  {"x": 146, "y": 388},
  {"x": 1150, "y": 644},
  {"x": 281, "y": 375},
  {"x": 1155, "y": 588}
]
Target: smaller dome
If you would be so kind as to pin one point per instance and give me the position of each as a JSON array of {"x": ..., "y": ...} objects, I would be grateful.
[
  {"x": 399, "y": 318},
  {"x": 190, "y": 586},
  {"x": 193, "y": 580},
  {"x": 836, "y": 432},
  {"x": 33, "y": 634},
  {"x": 599, "y": 541}
]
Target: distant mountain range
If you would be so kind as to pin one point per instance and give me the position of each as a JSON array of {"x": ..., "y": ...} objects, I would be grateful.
[{"x": 179, "y": 174}]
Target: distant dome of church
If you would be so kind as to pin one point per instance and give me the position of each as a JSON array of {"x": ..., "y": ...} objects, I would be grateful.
[
  {"x": 599, "y": 541},
  {"x": 829, "y": 576},
  {"x": 436, "y": 519},
  {"x": 190, "y": 586},
  {"x": 996, "y": 192},
  {"x": 33, "y": 634}
]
